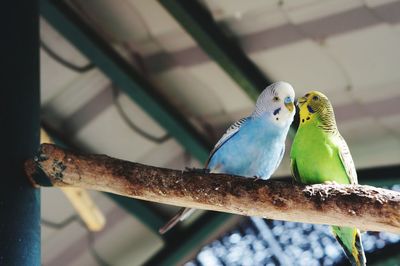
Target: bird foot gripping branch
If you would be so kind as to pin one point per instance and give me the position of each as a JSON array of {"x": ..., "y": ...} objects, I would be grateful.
[{"x": 368, "y": 208}]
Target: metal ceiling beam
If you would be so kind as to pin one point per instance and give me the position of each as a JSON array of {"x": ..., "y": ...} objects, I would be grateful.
[
  {"x": 380, "y": 176},
  {"x": 196, "y": 19},
  {"x": 199, "y": 23},
  {"x": 19, "y": 116},
  {"x": 182, "y": 242},
  {"x": 99, "y": 52}
]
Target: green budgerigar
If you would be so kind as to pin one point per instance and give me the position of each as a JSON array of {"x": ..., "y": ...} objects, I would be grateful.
[{"x": 320, "y": 155}]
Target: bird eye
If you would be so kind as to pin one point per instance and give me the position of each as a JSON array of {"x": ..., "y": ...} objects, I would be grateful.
[
  {"x": 315, "y": 98},
  {"x": 276, "y": 98}
]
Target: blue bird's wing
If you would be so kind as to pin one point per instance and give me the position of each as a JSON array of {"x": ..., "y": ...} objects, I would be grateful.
[
  {"x": 230, "y": 132},
  {"x": 185, "y": 212},
  {"x": 280, "y": 158}
]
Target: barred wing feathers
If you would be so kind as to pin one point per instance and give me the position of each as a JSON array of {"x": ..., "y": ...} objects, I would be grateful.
[{"x": 230, "y": 132}]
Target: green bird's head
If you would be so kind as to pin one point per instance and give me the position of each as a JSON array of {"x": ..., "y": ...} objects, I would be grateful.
[{"x": 315, "y": 107}]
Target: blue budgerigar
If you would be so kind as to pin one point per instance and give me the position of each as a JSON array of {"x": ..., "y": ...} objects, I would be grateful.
[{"x": 253, "y": 146}]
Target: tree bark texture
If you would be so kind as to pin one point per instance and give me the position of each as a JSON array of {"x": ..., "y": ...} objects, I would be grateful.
[
  {"x": 365, "y": 207},
  {"x": 80, "y": 199}
]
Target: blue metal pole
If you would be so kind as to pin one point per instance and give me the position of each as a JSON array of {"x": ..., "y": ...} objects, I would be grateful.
[{"x": 19, "y": 117}]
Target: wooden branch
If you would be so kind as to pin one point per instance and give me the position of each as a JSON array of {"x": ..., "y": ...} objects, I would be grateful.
[{"x": 365, "y": 207}]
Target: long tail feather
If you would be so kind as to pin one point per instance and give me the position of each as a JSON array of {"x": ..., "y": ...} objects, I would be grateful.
[
  {"x": 360, "y": 249},
  {"x": 350, "y": 240},
  {"x": 182, "y": 214}
]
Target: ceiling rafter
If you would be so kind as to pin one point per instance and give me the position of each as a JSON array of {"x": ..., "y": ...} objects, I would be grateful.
[
  {"x": 123, "y": 75},
  {"x": 199, "y": 23}
]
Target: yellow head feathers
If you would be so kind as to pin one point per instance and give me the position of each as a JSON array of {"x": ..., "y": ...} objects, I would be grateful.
[{"x": 315, "y": 106}]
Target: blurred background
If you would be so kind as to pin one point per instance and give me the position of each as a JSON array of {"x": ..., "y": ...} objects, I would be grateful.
[{"x": 158, "y": 82}]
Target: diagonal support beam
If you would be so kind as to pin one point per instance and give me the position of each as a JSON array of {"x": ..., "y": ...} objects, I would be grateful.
[
  {"x": 139, "y": 209},
  {"x": 99, "y": 52},
  {"x": 80, "y": 199},
  {"x": 199, "y": 23}
]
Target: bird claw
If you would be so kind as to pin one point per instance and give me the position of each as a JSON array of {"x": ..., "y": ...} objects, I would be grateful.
[
  {"x": 330, "y": 183},
  {"x": 197, "y": 170},
  {"x": 293, "y": 181},
  {"x": 312, "y": 191},
  {"x": 256, "y": 178}
]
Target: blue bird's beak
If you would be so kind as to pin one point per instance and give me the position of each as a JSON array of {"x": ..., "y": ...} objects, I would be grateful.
[{"x": 289, "y": 104}]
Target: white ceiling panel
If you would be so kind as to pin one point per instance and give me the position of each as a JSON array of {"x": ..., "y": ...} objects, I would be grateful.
[
  {"x": 74, "y": 96},
  {"x": 116, "y": 19},
  {"x": 59, "y": 243},
  {"x": 368, "y": 55},
  {"x": 255, "y": 21},
  {"x": 222, "y": 9},
  {"x": 130, "y": 247},
  {"x": 392, "y": 123},
  {"x": 160, "y": 24},
  {"x": 376, "y": 3},
  {"x": 202, "y": 90},
  {"x": 226, "y": 92},
  {"x": 318, "y": 9},
  {"x": 54, "y": 76},
  {"x": 109, "y": 134},
  {"x": 378, "y": 152},
  {"x": 371, "y": 144},
  {"x": 186, "y": 91},
  {"x": 306, "y": 65}
]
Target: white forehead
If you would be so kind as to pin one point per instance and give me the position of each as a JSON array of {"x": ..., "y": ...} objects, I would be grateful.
[{"x": 280, "y": 88}]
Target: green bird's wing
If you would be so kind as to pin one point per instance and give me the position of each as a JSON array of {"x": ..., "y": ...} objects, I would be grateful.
[
  {"x": 294, "y": 170},
  {"x": 349, "y": 238},
  {"x": 347, "y": 160}
]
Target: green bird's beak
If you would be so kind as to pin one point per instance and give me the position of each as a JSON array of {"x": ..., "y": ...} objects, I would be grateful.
[{"x": 301, "y": 101}]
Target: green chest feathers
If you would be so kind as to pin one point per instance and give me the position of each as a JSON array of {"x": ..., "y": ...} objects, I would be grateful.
[{"x": 316, "y": 157}]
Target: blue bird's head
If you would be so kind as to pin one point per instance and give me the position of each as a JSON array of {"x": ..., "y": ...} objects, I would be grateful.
[{"x": 276, "y": 103}]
